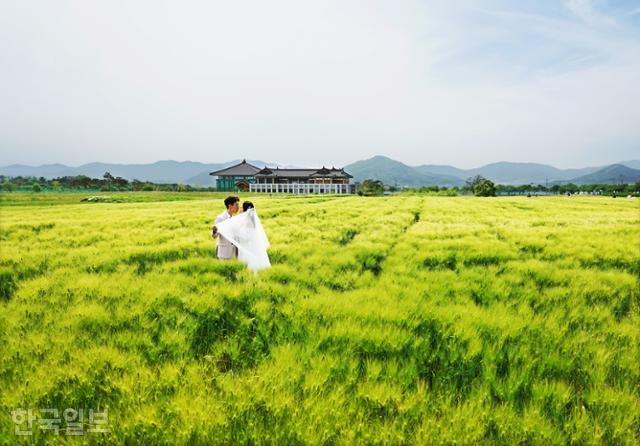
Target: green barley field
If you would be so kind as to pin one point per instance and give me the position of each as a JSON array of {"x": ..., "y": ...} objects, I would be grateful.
[{"x": 391, "y": 320}]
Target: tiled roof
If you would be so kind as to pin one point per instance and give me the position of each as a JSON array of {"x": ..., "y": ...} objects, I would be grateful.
[
  {"x": 294, "y": 173},
  {"x": 303, "y": 173},
  {"x": 244, "y": 168}
]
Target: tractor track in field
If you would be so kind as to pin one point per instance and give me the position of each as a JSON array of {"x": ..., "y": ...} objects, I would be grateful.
[{"x": 387, "y": 253}]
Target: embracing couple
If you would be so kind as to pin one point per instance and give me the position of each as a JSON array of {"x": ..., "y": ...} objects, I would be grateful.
[{"x": 240, "y": 235}]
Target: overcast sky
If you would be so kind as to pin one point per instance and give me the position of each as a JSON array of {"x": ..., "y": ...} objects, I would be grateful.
[{"x": 464, "y": 82}]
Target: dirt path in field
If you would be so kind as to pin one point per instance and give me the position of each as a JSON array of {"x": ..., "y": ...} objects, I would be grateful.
[{"x": 417, "y": 212}]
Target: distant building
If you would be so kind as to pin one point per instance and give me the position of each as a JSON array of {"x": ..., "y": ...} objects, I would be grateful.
[
  {"x": 248, "y": 178},
  {"x": 236, "y": 178}
]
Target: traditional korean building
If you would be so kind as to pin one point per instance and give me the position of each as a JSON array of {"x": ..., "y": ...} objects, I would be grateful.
[
  {"x": 236, "y": 178},
  {"x": 246, "y": 177}
]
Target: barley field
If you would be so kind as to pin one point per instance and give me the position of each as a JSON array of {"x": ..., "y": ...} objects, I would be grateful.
[{"x": 391, "y": 320}]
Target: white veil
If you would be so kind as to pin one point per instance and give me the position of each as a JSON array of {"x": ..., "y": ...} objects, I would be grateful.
[{"x": 246, "y": 232}]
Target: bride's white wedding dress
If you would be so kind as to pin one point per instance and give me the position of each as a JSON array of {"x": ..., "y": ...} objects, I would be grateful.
[{"x": 246, "y": 232}]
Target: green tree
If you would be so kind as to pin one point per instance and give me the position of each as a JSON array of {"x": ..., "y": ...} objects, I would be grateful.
[
  {"x": 480, "y": 186},
  {"x": 471, "y": 183},
  {"x": 485, "y": 188},
  {"x": 121, "y": 183},
  {"x": 109, "y": 179},
  {"x": 371, "y": 187}
]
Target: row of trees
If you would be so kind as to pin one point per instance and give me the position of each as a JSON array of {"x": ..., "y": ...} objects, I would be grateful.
[
  {"x": 82, "y": 182},
  {"x": 481, "y": 186},
  {"x": 477, "y": 185},
  {"x": 570, "y": 188}
]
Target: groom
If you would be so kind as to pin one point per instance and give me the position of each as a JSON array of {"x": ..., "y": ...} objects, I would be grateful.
[{"x": 224, "y": 248}]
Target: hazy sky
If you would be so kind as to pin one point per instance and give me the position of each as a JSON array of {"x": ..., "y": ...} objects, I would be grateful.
[{"x": 463, "y": 82}]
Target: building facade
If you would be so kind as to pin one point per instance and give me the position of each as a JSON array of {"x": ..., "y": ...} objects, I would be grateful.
[
  {"x": 236, "y": 178},
  {"x": 248, "y": 178}
]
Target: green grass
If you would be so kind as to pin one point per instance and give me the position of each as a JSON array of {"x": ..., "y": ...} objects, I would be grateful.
[
  {"x": 72, "y": 197},
  {"x": 392, "y": 320}
]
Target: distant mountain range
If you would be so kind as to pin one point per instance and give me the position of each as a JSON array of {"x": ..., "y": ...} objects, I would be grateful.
[
  {"x": 381, "y": 168},
  {"x": 615, "y": 173},
  {"x": 390, "y": 171},
  {"x": 183, "y": 172}
]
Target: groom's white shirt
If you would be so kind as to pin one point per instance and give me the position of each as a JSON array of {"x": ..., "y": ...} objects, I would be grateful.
[{"x": 224, "y": 249}]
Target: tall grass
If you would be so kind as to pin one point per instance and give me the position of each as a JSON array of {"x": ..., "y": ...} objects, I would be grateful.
[{"x": 391, "y": 320}]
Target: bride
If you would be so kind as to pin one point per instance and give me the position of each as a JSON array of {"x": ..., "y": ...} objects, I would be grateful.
[{"x": 246, "y": 233}]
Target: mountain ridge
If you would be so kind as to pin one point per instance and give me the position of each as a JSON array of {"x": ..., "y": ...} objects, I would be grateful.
[
  {"x": 379, "y": 167},
  {"x": 612, "y": 174},
  {"x": 502, "y": 172},
  {"x": 162, "y": 171}
]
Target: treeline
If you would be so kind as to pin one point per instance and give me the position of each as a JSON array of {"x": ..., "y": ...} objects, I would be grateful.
[
  {"x": 483, "y": 187},
  {"x": 82, "y": 182},
  {"x": 563, "y": 189},
  {"x": 477, "y": 185}
]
